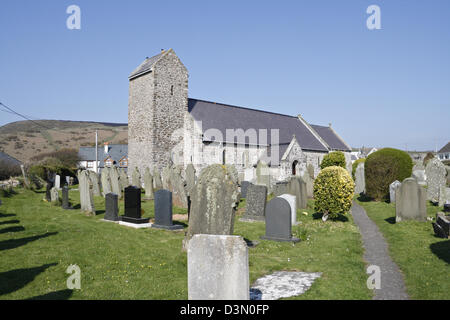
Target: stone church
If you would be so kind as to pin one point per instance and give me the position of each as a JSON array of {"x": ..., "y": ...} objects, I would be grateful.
[{"x": 166, "y": 127}]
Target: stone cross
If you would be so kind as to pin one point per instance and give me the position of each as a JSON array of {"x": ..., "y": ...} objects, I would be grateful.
[
  {"x": 218, "y": 268},
  {"x": 410, "y": 201}
]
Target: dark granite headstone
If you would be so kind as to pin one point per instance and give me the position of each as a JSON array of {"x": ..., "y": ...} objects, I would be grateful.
[
  {"x": 48, "y": 193},
  {"x": 163, "y": 211},
  {"x": 256, "y": 203},
  {"x": 133, "y": 206},
  {"x": 442, "y": 225},
  {"x": 278, "y": 221},
  {"x": 112, "y": 207},
  {"x": 447, "y": 207},
  {"x": 65, "y": 198},
  {"x": 244, "y": 188}
]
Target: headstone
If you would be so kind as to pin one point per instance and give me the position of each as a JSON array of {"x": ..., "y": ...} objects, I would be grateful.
[
  {"x": 393, "y": 187},
  {"x": 218, "y": 268},
  {"x": 165, "y": 177},
  {"x": 68, "y": 180},
  {"x": 133, "y": 206},
  {"x": 292, "y": 202},
  {"x": 95, "y": 183},
  {"x": 163, "y": 211},
  {"x": 263, "y": 174},
  {"x": 447, "y": 207},
  {"x": 420, "y": 176},
  {"x": 279, "y": 221},
  {"x": 54, "y": 195},
  {"x": 436, "y": 177},
  {"x": 177, "y": 186},
  {"x": 115, "y": 183},
  {"x": 112, "y": 207},
  {"x": 256, "y": 203},
  {"x": 213, "y": 204},
  {"x": 360, "y": 182},
  {"x": 444, "y": 196},
  {"x": 106, "y": 181},
  {"x": 280, "y": 188},
  {"x": 136, "y": 178},
  {"x": 297, "y": 187},
  {"x": 310, "y": 169},
  {"x": 309, "y": 184},
  {"x": 244, "y": 188},
  {"x": 123, "y": 179},
  {"x": 157, "y": 179},
  {"x": 48, "y": 188},
  {"x": 442, "y": 225},
  {"x": 190, "y": 178},
  {"x": 25, "y": 178},
  {"x": 249, "y": 174},
  {"x": 410, "y": 202},
  {"x": 65, "y": 198},
  {"x": 148, "y": 184},
  {"x": 86, "y": 193},
  {"x": 58, "y": 181}
]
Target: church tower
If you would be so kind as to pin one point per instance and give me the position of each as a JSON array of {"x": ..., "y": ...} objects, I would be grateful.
[{"x": 157, "y": 106}]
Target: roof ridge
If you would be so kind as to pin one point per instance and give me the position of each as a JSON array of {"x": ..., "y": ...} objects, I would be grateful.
[{"x": 246, "y": 108}]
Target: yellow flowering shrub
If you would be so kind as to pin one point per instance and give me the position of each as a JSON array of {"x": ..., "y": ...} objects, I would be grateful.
[{"x": 333, "y": 191}]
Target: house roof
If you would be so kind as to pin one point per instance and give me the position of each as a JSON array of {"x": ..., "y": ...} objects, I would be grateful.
[
  {"x": 146, "y": 66},
  {"x": 222, "y": 117},
  {"x": 331, "y": 138},
  {"x": 445, "y": 149},
  {"x": 116, "y": 153},
  {"x": 7, "y": 158}
]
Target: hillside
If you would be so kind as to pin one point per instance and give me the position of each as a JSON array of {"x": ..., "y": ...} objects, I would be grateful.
[{"x": 25, "y": 139}]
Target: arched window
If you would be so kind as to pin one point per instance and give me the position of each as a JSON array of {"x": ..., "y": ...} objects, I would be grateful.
[{"x": 294, "y": 167}]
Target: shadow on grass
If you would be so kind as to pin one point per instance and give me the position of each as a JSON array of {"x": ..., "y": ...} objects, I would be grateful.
[
  {"x": 9, "y": 222},
  {"x": 7, "y": 193},
  {"x": 14, "y": 280},
  {"x": 442, "y": 250},
  {"x": 77, "y": 206},
  {"x": 340, "y": 217},
  {"x": 14, "y": 243},
  {"x": 176, "y": 222},
  {"x": 12, "y": 229},
  {"x": 390, "y": 220},
  {"x": 364, "y": 198},
  {"x": 97, "y": 212},
  {"x": 57, "y": 295},
  {"x": 4, "y": 215}
]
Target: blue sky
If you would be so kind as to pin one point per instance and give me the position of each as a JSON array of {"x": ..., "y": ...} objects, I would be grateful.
[{"x": 388, "y": 87}]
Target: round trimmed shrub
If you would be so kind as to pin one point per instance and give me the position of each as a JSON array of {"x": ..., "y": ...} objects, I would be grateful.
[
  {"x": 333, "y": 191},
  {"x": 355, "y": 165},
  {"x": 384, "y": 167},
  {"x": 335, "y": 158}
]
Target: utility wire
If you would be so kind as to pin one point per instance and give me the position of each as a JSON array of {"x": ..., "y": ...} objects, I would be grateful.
[{"x": 22, "y": 116}]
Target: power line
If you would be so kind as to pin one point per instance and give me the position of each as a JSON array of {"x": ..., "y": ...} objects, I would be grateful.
[{"x": 22, "y": 116}]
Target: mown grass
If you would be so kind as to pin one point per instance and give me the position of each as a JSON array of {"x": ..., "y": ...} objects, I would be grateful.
[
  {"x": 422, "y": 257},
  {"x": 118, "y": 262}
]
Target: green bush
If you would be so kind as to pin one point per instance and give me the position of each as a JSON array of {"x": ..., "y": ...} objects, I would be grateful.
[
  {"x": 384, "y": 167},
  {"x": 355, "y": 165},
  {"x": 335, "y": 158},
  {"x": 333, "y": 191},
  {"x": 9, "y": 169}
]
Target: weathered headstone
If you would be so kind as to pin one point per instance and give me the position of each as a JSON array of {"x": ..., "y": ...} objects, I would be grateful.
[
  {"x": 106, "y": 181},
  {"x": 393, "y": 187},
  {"x": 436, "y": 177},
  {"x": 25, "y": 178},
  {"x": 420, "y": 176},
  {"x": 136, "y": 178},
  {"x": 148, "y": 184},
  {"x": 213, "y": 204},
  {"x": 54, "y": 195},
  {"x": 165, "y": 177},
  {"x": 444, "y": 196},
  {"x": 133, "y": 206},
  {"x": 263, "y": 174},
  {"x": 157, "y": 179},
  {"x": 163, "y": 211},
  {"x": 218, "y": 268},
  {"x": 256, "y": 203},
  {"x": 310, "y": 169},
  {"x": 297, "y": 187},
  {"x": 112, "y": 207},
  {"x": 360, "y": 182},
  {"x": 86, "y": 193},
  {"x": 280, "y": 188},
  {"x": 410, "y": 201},
  {"x": 244, "y": 188},
  {"x": 115, "y": 183},
  {"x": 65, "y": 198},
  {"x": 95, "y": 183},
  {"x": 58, "y": 181},
  {"x": 190, "y": 178},
  {"x": 279, "y": 221},
  {"x": 177, "y": 186},
  {"x": 123, "y": 179},
  {"x": 309, "y": 184},
  {"x": 442, "y": 225},
  {"x": 293, "y": 203}
]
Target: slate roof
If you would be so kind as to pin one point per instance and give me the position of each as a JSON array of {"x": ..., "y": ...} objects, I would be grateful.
[
  {"x": 116, "y": 152},
  {"x": 445, "y": 149},
  {"x": 222, "y": 116},
  {"x": 330, "y": 137},
  {"x": 7, "y": 158},
  {"x": 145, "y": 66}
]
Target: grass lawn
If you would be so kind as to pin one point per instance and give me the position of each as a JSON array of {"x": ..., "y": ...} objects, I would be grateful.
[
  {"x": 39, "y": 241},
  {"x": 423, "y": 258}
]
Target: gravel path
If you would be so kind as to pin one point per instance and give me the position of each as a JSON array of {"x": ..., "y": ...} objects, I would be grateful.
[{"x": 392, "y": 284}]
